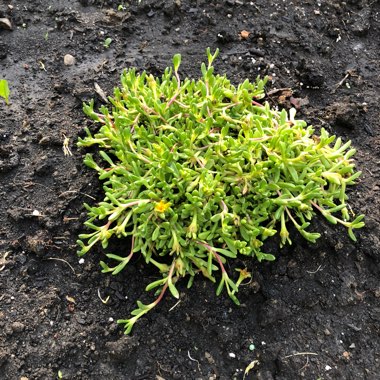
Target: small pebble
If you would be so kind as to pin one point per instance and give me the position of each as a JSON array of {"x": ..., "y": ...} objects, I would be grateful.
[
  {"x": 327, "y": 368},
  {"x": 81, "y": 261},
  {"x": 251, "y": 347},
  {"x": 17, "y": 327},
  {"x": 68, "y": 60},
  {"x": 232, "y": 355}
]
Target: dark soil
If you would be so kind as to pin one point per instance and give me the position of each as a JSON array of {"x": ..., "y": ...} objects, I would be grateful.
[{"x": 314, "y": 313}]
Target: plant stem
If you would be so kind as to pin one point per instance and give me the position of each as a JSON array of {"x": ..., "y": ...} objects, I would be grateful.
[
  {"x": 209, "y": 248},
  {"x": 170, "y": 275}
]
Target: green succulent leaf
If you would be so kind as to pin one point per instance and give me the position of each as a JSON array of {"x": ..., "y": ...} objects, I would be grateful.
[
  {"x": 4, "y": 90},
  {"x": 176, "y": 61}
]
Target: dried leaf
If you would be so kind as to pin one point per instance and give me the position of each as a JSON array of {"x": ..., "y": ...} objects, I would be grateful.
[
  {"x": 70, "y": 299},
  {"x": 299, "y": 102},
  {"x": 101, "y": 93},
  {"x": 250, "y": 366}
]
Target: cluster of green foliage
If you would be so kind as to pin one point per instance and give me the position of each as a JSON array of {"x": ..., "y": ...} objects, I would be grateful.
[{"x": 198, "y": 172}]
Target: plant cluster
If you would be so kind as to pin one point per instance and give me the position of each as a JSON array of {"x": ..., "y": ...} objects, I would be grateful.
[{"x": 198, "y": 172}]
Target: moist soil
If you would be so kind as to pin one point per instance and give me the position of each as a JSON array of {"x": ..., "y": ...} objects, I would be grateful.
[{"x": 314, "y": 313}]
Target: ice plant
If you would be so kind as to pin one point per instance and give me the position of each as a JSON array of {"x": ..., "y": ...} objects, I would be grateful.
[{"x": 198, "y": 172}]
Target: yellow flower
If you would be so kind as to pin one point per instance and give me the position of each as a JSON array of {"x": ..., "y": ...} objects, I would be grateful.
[{"x": 162, "y": 206}]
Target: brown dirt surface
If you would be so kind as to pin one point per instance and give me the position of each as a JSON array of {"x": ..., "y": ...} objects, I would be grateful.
[{"x": 314, "y": 313}]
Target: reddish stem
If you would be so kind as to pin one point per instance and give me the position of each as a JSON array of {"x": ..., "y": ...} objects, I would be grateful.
[
  {"x": 257, "y": 104},
  {"x": 159, "y": 298},
  {"x": 177, "y": 93},
  {"x": 317, "y": 207},
  {"x": 209, "y": 248},
  {"x": 132, "y": 247},
  {"x": 219, "y": 261}
]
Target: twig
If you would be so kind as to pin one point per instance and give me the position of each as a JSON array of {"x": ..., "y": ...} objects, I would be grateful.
[
  {"x": 300, "y": 354},
  {"x": 76, "y": 191},
  {"x": 64, "y": 261},
  {"x": 36, "y": 213},
  {"x": 255, "y": 6},
  {"x": 27, "y": 184},
  {"x": 351, "y": 211},
  {"x": 348, "y": 74},
  {"x": 306, "y": 364},
  {"x": 194, "y": 360},
  {"x": 275, "y": 91},
  {"x": 175, "y": 305},
  {"x": 317, "y": 270}
]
